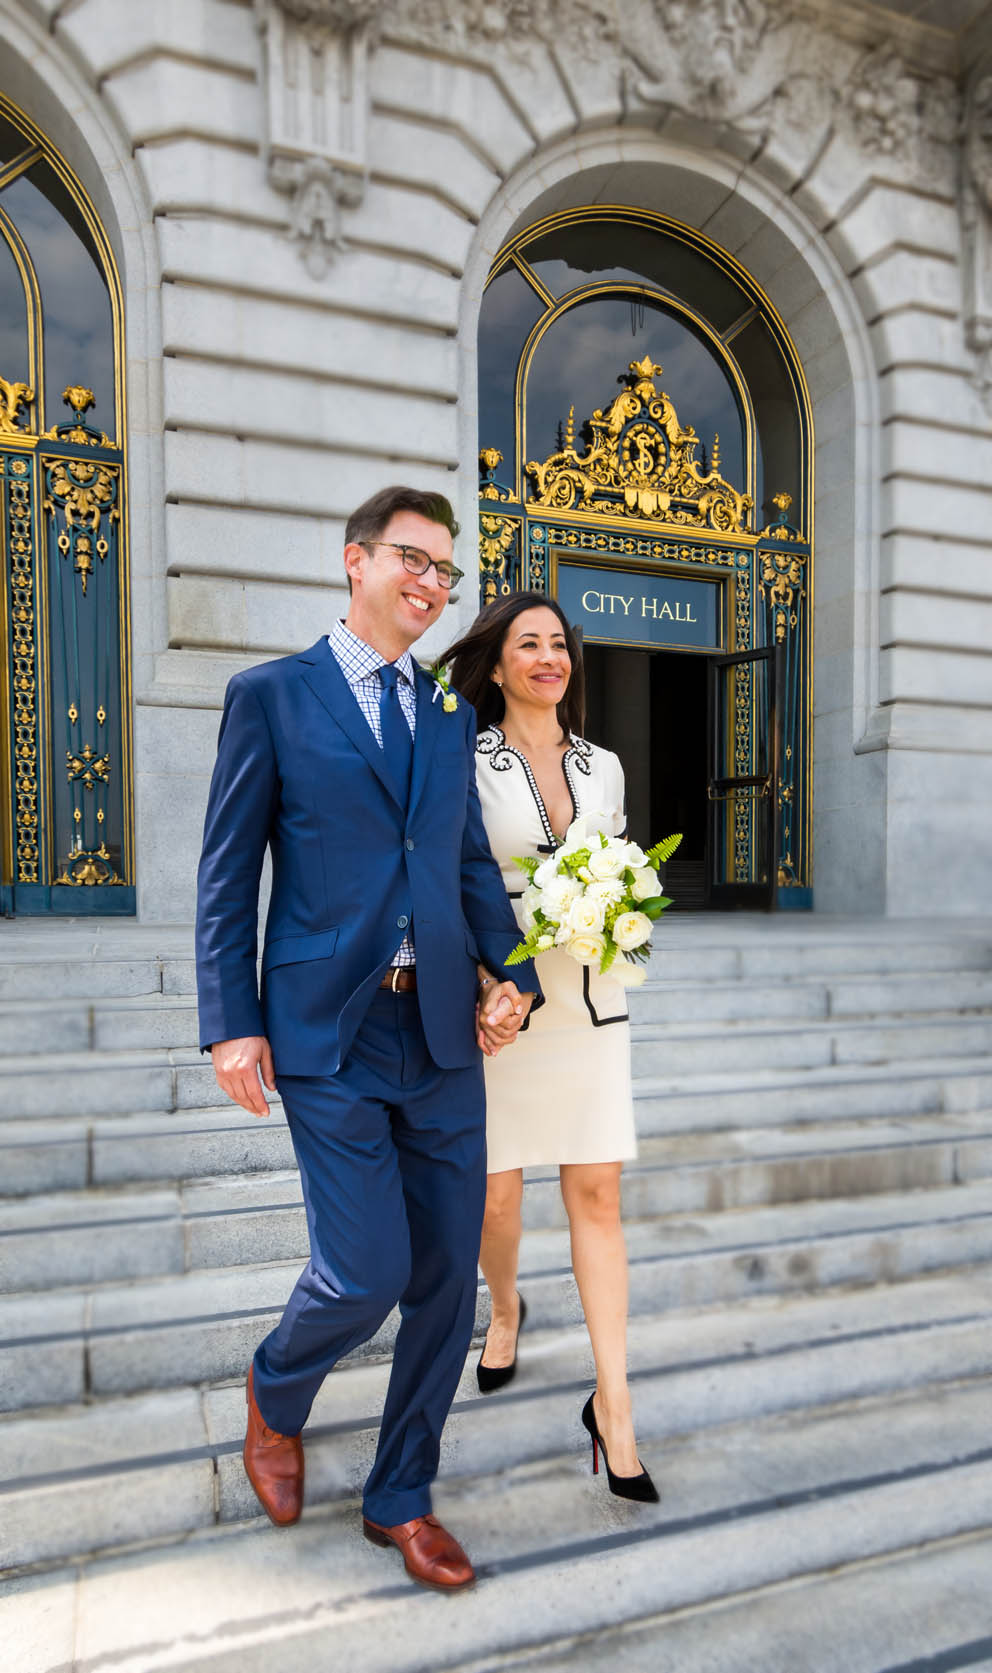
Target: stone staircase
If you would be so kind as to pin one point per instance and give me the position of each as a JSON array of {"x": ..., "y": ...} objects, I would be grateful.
[{"x": 810, "y": 1231}]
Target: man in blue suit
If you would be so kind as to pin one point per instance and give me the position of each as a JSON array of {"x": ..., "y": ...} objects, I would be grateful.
[{"x": 388, "y": 926}]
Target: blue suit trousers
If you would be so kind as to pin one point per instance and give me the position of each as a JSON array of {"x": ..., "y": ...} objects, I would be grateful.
[{"x": 392, "y": 1156}]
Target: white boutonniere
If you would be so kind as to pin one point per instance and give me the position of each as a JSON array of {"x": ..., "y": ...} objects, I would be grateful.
[{"x": 442, "y": 688}]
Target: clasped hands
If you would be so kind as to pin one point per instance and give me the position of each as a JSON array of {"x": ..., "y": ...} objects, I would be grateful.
[
  {"x": 499, "y": 1016},
  {"x": 500, "y": 1013}
]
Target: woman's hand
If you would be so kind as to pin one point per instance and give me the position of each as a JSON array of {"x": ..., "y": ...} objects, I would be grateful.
[{"x": 500, "y": 1013}]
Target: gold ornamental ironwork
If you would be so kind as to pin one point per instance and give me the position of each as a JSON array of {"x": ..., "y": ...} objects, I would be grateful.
[
  {"x": 13, "y": 396},
  {"x": 641, "y": 462},
  {"x": 80, "y": 400}
]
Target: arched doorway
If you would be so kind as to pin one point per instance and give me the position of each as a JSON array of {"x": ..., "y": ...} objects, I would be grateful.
[
  {"x": 66, "y": 798},
  {"x": 673, "y": 520}
]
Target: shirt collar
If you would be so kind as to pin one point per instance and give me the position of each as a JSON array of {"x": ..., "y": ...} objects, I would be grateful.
[{"x": 361, "y": 659}]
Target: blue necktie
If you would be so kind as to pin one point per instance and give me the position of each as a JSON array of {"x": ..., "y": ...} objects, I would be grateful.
[{"x": 397, "y": 742}]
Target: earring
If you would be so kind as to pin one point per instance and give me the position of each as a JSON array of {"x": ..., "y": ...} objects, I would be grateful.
[{"x": 497, "y": 682}]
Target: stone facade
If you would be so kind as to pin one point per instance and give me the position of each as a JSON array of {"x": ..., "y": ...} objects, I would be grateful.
[{"x": 304, "y": 198}]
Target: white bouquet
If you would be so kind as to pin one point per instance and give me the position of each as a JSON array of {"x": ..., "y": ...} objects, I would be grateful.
[{"x": 596, "y": 897}]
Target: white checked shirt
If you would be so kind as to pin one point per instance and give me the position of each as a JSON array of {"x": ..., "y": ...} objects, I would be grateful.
[{"x": 360, "y": 665}]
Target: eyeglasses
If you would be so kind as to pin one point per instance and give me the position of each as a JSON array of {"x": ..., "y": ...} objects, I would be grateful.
[{"x": 417, "y": 562}]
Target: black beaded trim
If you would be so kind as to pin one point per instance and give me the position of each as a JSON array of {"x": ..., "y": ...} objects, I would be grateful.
[{"x": 501, "y": 755}]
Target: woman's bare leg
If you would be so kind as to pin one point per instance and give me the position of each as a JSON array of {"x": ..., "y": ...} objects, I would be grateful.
[
  {"x": 499, "y": 1259},
  {"x": 599, "y": 1260}
]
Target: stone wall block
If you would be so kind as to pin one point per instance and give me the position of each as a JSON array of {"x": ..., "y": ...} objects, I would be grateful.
[
  {"x": 292, "y": 407},
  {"x": 939, "y": 508},
  {"x": 438, "y": 162},
  {"x": 922, "y": 337},
  {"x": 909, "y": 618},
  {"x": 462, "y": 97},
  {"x": 221, "y": 469},
  {"x": 160, "y": 96},
  {"x": 904, "y": 279},
  {"x": 910, "y": 673},
  {"x": 104, "y": 33},
  {"x": 915, "y": 448},
  {"x": 257, "y": 259},
  {"x": 188, "y": 174},
  {"x": 928, "y": 561},
  {"x": 263, "y": 333},
  {"x": 887, "y": 217},
  {"x": 593, "y": 84},
  {"x": 274, "y": 618},
  {"x": 938, "y": 813},
  {"x": 529, "y": 80},
  {"x": 169, "y": 812},
  {"x": 173, "y": 741},
  {"x": 915, "y": 392},
  {"x": 225, "y": 539}
]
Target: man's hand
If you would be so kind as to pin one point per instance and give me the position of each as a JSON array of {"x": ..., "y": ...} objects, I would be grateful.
[
  {"x": 237, "y": 1064},
  {"x": 500, "y": 1015}
]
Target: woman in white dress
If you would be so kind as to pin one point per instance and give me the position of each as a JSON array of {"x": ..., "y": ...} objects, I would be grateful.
[{"x": 561, "y": 1095}]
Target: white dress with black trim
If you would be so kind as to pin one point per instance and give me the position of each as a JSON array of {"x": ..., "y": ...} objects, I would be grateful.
[{"x": 562, "y": 1091}]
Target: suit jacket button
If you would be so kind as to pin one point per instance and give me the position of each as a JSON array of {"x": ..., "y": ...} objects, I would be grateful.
[
  {"x": 410, "y": 843},
  {"x": 402, "y": 921}
]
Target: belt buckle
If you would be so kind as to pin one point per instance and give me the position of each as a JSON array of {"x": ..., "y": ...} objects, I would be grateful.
[{"x": 395, "y": 978}]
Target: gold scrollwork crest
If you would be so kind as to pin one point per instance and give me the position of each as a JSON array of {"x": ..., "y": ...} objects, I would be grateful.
[
  {"x": 80, "y": 400},
  {"x": 13, "y": 396},
  {"x": 497, "y": 537},
  {"x": 641, "y": 461},
  {"x": 781, "y": 570},
  {"x": 85, "y": 492}
]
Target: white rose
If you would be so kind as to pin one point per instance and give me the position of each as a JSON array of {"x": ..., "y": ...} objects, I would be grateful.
[
  {"x": 546, "y": 871},
  {"x": 636, "y": 857},
  {"x": 646, "y": 883},
  {"x": 586, "y": 949},
  {"x": 585, "y": 916},
  {"x": 562, "y": 934},
  {"x": 531, "y": 901},
  {"x": 544, "y": 942},
  {"x": 628, "y": 972},
  {"x": 581, "y": 831},
  {"x": 608, "y": 894},
  {"x": 558, "y": 895},
  {"x": 631, "y": 930},
  {"x": 608, "y": 862}
]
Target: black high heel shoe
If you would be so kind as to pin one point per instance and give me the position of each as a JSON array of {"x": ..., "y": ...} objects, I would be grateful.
[
  {"x": 639, "y": 1487},
  {"x": 492, "y": 1377}
]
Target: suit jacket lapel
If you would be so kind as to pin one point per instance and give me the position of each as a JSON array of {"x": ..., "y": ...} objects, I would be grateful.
[
  {"x": 429, "y": 717},
  {"x": 323, "y": 675}
]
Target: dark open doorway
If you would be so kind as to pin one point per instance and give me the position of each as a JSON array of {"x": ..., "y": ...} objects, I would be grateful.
[{"x": 650, "y": 708}]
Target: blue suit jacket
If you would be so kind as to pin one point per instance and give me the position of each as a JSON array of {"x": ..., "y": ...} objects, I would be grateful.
[{"x": 299, "y": 770}]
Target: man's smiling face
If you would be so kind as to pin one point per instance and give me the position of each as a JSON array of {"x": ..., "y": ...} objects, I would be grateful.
[{"x": 390, "y": 608}]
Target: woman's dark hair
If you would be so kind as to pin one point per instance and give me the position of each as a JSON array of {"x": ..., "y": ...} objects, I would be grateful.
[{"x": 473, "y": 658}]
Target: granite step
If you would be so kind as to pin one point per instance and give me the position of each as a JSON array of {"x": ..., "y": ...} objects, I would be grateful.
[
  {"x": 815, "y": 998},
  {"x": 189, "y": 1325},
  {"x": 919, "y": 1611},
  {"x": 55, "y": 1025},
  {"x": 113, "y": 1231},
  {"x": 791, "y": 1406},
  {"x": 682, "y": 1048},
  {"x": 757, "y": 1097}
]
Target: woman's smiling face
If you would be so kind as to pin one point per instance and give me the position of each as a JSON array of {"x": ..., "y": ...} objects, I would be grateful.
[{"x": 534, "y": 665}]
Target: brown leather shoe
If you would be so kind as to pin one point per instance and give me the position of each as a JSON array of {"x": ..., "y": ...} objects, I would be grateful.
[
  {"x": 431, "y": 1555},
  {"x": 273, "y": 1465}
]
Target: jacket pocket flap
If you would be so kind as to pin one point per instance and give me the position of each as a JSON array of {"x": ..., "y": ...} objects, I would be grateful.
[{"x": 296, "y": 949}]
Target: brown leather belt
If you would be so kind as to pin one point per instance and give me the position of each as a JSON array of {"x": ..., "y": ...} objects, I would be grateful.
[{"x": 401, "y": 978}]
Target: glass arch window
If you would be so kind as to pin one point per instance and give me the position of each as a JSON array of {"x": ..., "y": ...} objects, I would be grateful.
[
  {"x": 66, "y": 799},
  {"x": 646, "y": 458},
  {"x": 670, "y": 296}
]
